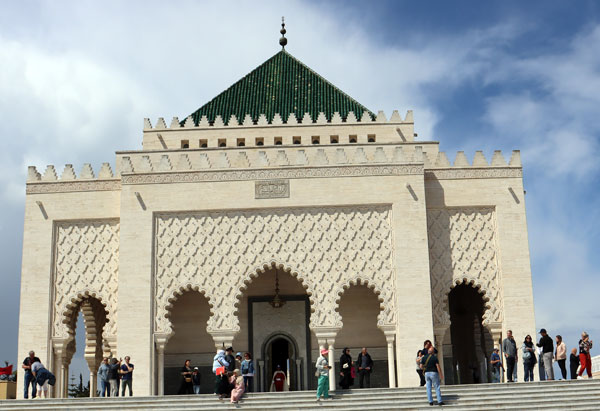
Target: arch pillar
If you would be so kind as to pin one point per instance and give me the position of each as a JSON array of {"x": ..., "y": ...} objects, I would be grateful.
[
  {"x": 495, "y": 328},
  {"x": 160, "y": 341},
  {"x": 62, "y": 358},
  {"x": 439, "y": 332},
  {"x": 390, "y": 337},
  {"x": 326, "y": 339},
  {"x": 222, "y": 338}
]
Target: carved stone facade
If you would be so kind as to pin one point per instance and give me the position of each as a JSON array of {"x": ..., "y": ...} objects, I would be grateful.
[
  {"x": 463, "y": 248},
  {"x": 86, "y": 265},
  {"x": 333, "y": 200},
  {"x": 325, "y": 248}
]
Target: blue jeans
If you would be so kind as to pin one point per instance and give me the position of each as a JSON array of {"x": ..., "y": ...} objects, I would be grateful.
[
  {"x": 104, "y": 388},
  {"x": 433, "y": 378},
  {"x": 529, "y": 366},
  {"x": 196, "y": 389},
  {"x": 30, "y": 379},
  {"x": 495, "y": 374},
  {"x": 124, "y": 385}
]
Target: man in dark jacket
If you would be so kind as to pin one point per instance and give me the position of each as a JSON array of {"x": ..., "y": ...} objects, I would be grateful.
[
  {"x": 574, "y": 363},
  {"x": 547, "y": 346},
  {"x": 509, "y": 346},
  {"x": 364, "y": 363},
  {"x": 230, "y": 359}
]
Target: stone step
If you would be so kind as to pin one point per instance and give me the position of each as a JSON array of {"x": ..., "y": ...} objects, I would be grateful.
[{"x": 575, "y": 395}]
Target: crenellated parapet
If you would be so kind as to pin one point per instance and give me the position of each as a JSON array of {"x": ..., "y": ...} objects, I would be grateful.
[
  {"x": 278, "y": 120},
  {"x": 283, "y": 130},
  {"x": 254, "y": 163},
  {"x": 69, "y": 181},
  {"x": 439, "y": 166}
]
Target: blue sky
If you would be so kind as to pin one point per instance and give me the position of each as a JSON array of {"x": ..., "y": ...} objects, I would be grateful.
[{"x": 77, "y": 79}]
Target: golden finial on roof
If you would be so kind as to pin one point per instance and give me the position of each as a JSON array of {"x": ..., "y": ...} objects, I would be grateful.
[{"x": 282, "y": 40}]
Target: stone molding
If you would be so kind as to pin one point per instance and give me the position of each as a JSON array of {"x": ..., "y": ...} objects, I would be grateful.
[
  {"x": 218, "y": 253},
  {"x": 471, "y": 172},
  {"x": 73, "y": 186},
  {"x": 463, "y": 249},
  {"x": 86, "y": 265},
  {"x": 267, "y": 174}
]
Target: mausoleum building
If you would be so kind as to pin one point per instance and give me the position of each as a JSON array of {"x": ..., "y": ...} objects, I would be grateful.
[{"x": 280, "y": 217}]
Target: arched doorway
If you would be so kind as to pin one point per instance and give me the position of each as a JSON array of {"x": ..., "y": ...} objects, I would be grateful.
[
  {"x": 471, "y": 341},
  {"x": 95, "y": 318},
  {"x": 189, "y": 316},
  {"x": 280, "y": 350},
  {"x": 266, "y": 327},
  {"x": 359, "y": 307}
]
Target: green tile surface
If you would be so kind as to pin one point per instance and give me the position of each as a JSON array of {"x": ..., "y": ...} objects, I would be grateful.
[{"x": 284, "y": 85}]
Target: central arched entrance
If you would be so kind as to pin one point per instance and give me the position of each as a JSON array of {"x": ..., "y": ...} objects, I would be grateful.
[{"x": 274, "y": 314}]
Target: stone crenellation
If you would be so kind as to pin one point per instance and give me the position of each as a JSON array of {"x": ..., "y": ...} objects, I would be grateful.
[
  {"x": 436, "y": 164},
  {"x": 278, "y": 120},
  {"x": 68, "y": 174}
]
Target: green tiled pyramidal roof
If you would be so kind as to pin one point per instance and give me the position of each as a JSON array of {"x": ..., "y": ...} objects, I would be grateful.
[{"x": 283, "y": 85}]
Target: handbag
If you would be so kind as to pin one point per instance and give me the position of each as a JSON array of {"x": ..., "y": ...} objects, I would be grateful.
[
  {"x": 188, "y": 379},
  {"x": 220, "y": 370}
]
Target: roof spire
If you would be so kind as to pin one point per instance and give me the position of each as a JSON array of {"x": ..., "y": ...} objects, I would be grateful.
[{"x": 282, "y": 40}]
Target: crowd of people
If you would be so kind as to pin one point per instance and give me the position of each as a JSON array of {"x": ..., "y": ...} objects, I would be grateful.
[
  {"x": 111, "y": 375},
  {"x": 543, "y": 354},
  {"x": 234, "y": 374},
  {"x": 114, "y": 374}
]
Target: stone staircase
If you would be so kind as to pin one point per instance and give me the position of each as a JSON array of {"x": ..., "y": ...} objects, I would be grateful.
[{"x": 549, "y": 395}]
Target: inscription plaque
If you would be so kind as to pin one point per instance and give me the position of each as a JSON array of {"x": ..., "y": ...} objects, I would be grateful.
[{"x": 272, "y": 189}]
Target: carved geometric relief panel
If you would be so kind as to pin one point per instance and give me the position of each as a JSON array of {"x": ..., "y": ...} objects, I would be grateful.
[
  {"x": 325, "y": 248},
  {"x": 463, "y": 248},
  {"x": 86, "y": 264}
]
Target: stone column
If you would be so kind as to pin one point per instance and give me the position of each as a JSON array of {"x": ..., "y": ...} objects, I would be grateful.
[
  {"x": 261, "y": 368},
  {"x": 299, "y": 379},
  {"x": 61, "y": 366},
  {"x": 93, "y": 384},
  {"x": 332, "y": 364},
  {"x": 161, "y": 370},
  {"x": 495, "y": 329},
  {"x": 390, "y": 337},
  {"x": 438, "y": 342},
  {"x": 160, "y": 342},
  {"x": 326, "y": 338},
  {"x": 64, "y": 381}
]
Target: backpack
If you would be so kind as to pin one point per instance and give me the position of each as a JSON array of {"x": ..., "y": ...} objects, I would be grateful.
[{"x": 51, "y": 379}]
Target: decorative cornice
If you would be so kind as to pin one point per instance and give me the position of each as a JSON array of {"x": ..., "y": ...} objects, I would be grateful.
[
  {"x": 276, "y": 173},
  {"x": 473, "y": 172},
  {"x": 73, "y": 186}
]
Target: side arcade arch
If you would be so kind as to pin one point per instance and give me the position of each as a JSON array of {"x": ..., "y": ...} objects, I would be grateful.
[
  {"x": 467, "y": 340},
  {"x": 360, "y": 306},
  {"x": 188, "y": 313},
  {"x": 96, "y": 318}
]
